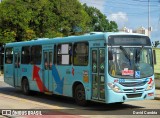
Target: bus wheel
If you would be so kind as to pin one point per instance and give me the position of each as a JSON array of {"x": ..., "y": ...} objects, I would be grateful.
[
  {"x": 25, "y": 87},
  {"x": 80, "y": 95},
  {"x": 119, "y": 103}
]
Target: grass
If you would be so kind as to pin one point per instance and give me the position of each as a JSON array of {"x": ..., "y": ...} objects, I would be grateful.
[
  {"x": 157, "y": 65},
  {"x": 157, "y": 75}
]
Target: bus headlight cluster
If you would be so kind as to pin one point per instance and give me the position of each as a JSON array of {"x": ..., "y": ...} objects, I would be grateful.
[
  {"x": 114, "y": 87},
  {"x": 150, "y": 86}
]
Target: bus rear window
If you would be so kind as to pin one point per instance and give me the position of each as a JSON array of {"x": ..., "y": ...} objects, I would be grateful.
[{"x": 9, "y": 55}]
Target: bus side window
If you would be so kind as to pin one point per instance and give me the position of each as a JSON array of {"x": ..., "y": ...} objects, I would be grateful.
[
  {"x": 81, "y": 54},
  {"x": 9, "y": 55},
  {"x": 36, "y": 54},
  {"x": 26, "y": 55},
  {"x": 64, "y": 54},
  {"x": 59, "y": 55},
  {"x": 55, "y": 54}
]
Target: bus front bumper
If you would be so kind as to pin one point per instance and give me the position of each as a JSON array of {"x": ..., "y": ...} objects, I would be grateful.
[{"x": 113, "y": 97}]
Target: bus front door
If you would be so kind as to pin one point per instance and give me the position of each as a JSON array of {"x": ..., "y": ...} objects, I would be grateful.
[
  {"x": 48, "y": 61},
  {"x": 98, "y": 77},
  {"x": 16, "y": 68}
]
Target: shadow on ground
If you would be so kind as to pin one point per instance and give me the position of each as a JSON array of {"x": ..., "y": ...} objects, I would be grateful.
[{"x": 69, "y": 104}]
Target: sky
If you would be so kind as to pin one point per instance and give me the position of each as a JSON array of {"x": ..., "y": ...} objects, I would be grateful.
[{"x": 131, "y": 13}]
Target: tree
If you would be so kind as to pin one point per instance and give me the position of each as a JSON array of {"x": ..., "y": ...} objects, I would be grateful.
[
  {"x": 156, "y": 43},
  {"x": 113, "y": 27},
  {"x": 14, "y": 19},
  {"x": 99, "y": 21},
  {"x": 22, "y": 20},
  {"x": 26, "y": 19},
  {"x": 70, "y": 16}
]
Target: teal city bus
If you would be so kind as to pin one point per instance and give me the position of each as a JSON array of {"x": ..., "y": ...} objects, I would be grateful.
[{"x": 101, "y": 67}]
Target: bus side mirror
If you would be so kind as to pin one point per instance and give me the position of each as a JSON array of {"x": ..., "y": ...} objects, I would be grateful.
[{"x": 154, "y": 57}]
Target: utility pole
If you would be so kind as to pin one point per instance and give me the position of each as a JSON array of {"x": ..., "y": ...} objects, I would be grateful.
[{"x": 149, "y": 18}]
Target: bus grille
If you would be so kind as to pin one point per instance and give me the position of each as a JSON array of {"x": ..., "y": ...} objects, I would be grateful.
[
  {"x": 133, "y": 90},
  {"x": 134, "y": 95},
  {"x": 133, "y": 84}
]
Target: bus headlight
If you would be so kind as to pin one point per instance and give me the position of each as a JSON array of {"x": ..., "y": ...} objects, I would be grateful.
[
  {"x": 114, "y": 87},
  {"x": 150, "y": 85}
]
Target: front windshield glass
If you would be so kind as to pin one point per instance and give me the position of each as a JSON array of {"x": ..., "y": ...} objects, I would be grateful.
[{"x": 130, "y": 62}]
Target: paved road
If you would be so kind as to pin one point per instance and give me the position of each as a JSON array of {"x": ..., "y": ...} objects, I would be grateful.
[{"x": 11, "y": 98}]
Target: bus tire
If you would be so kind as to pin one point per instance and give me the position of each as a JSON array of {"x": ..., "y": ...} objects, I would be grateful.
[
  {"x": 80, "y": 95},
  {"x": 119, "y": 103},
  {"x": 25, "y": 87}
]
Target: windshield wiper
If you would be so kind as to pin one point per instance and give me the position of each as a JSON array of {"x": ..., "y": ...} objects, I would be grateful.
[
  {"x": 125, "y": 52},
  {"x": 137, "y": 57}
]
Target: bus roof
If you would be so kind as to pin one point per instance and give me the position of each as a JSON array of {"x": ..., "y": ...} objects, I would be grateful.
[{"x": 82, "y": 38}]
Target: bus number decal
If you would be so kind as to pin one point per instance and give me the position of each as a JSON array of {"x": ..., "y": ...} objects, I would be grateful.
[
  {"x": 85, "y": 76},
  {"x": 116, "y": 81},
  {"x": 68, "y": 71},
  {"x": 24, "y": 69},
  {"x": 72, "y": 71},
  {"x": 121, "y": 80},
  {"x": 96, "y": 44}
]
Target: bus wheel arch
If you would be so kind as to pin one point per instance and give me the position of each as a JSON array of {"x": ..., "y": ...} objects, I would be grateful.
[
  {"x": 25, "y": 85},
  {"x": 79, "y": 94}
]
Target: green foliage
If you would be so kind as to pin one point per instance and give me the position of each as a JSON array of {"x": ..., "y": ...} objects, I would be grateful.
[
  {"x": 157, "y": 65},
  {"x": 14, "y": 17},
  {"x": 99, "y": 21},
  {"x": 157, "y": 75},
  {"x": 29, "y": 34},
  {"x": 113, "y": 27},
  {"x": 22, "y": 20},
  {"x": 7, "y": 36},
  {"x": 156, "y": 43},
  {"x": 70, "y": 15}
]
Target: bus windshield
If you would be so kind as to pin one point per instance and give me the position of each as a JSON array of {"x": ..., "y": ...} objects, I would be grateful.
[{"x": 130, "y": 62}]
